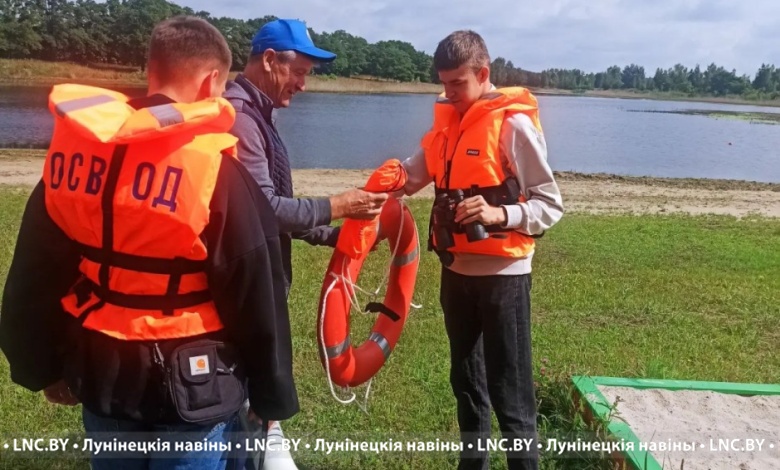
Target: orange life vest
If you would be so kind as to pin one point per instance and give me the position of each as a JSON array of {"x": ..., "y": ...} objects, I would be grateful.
[
  {"x": 133, "y": 188},
  {"x": 464, "y": 154}
]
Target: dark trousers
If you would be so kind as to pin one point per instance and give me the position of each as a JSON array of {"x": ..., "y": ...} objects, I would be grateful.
[{"x": 488, "y": 321}]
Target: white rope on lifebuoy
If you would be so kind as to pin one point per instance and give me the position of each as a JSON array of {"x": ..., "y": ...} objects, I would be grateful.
[
  {"x": 324, "y": 349},
  {"x": 352, "y": 289}
]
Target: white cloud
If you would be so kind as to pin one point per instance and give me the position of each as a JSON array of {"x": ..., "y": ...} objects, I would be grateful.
[{"x": 539, "y": 34}]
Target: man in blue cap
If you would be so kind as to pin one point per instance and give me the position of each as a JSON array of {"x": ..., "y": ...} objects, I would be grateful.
[{"x": 282, "y": 55}]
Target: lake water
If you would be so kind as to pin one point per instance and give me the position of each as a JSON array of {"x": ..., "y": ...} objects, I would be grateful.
[{"x": 589, "y": 135}]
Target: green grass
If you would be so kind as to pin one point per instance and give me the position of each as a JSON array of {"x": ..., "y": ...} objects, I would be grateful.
[{"x": 675, "y": 297}]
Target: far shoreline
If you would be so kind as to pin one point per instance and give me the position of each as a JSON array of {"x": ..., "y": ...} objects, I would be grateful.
[{"x": 32, "y": 73}]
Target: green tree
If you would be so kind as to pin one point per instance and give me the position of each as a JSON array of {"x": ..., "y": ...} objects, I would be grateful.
[
  {"x": 633, "y": 77},
  {"x": 545, "y": 80},
  {"x": 599, "y": 81},
  {"x": 661, "y": 81},
  {"x": 421, "y": 62},
  {"x": 387, "y": 60},
  {"x": 678, "y": 77},
  {"x": 613, "y": 78},
  {"x": 422, "y": 65},
  {"x": 766, "y": 78},
  {"x": 351, "y": 53},
  {"x": 722, "y": 82},
  {"x": 499, "y": 71},
  {"x": 696, "y": 77},
  {"x": 135, "y": 21},
  {"x": 56, "y": 29},
  {"x": 515, "y": 76},
  {"x": 117, "y": 31},
  {"x": 19, "y": 28},
  {"x": 239, "y": 34}
]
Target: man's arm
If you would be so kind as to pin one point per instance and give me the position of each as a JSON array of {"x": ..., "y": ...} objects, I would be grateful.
[
  {"x": 293, "y": 214},
  {"x": 246, "y": 278},
  {"x": 526, "y": 154},
  {"x": 324, "y": 235},
  {"x": 32, "y": 322},
  {"x": 297, "y": 214}
]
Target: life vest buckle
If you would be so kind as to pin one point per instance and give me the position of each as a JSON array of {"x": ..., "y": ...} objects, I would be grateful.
[{"x": 83, "y": 291}]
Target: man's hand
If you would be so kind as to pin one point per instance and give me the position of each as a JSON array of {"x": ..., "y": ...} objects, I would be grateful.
[
  {"x": 60, "y": 394},
  {"x": 477, "y": 209},
  {"x": 356, "y": 204}
]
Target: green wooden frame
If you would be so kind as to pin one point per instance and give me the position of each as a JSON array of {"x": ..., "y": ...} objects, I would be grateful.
[{"x": 588, "y": 389}]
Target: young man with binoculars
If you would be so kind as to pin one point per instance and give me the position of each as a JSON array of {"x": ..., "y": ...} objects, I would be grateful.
[{"x": 495, "y": 194}]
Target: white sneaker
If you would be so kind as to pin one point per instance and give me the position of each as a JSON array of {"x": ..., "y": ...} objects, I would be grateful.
[{"x": 277, "y": 458}]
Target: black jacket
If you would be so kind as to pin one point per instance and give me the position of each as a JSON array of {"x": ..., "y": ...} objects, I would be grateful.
[{"x": 246, "y": 278}]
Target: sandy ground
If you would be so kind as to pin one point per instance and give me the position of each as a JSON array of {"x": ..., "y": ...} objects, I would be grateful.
[
  {"x": 721, "y": 425},
  {"x": 581, "y": 193}
]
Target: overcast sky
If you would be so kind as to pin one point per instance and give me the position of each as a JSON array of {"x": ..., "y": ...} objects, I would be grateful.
[{"x": 537, "y": 34}]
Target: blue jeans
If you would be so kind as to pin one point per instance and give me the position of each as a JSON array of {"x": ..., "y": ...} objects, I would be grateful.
[
  {"x": 105, "y": 430},
  {"x": 488, "y": 322}
]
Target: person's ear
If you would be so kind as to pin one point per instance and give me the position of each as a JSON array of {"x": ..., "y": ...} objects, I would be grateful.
[
  {"x": 209, "y": 85},
  {"x": 269, "y": 58},
  {"x": 484, "y": 74}
]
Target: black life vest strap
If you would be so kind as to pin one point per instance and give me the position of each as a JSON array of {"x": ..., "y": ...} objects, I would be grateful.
[{"x": 165, "y": 302}]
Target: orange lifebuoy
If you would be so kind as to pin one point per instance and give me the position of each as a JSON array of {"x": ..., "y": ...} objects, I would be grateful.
[{"x": 349, "y": 365}]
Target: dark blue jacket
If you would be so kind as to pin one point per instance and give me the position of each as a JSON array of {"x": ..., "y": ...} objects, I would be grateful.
[{"x": 261, "y": 150}]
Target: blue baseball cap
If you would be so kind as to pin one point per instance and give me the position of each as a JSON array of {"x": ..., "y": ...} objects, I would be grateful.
[{"x": 288, "y": 35}]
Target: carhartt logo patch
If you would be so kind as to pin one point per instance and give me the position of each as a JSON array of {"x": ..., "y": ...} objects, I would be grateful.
[
  {"x": 199, "y": 365},
  {"x": 473, "y": 152}
]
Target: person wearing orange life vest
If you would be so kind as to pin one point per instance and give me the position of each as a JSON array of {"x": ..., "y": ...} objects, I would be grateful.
[
  {"x": 147, "y": 281},
  {"x": 495, "y": 193}
]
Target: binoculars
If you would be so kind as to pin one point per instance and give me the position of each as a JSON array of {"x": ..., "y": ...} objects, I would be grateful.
[{"x": 443, "y": 220}]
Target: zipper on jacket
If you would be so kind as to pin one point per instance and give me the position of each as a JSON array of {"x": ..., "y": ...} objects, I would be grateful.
[
  {"x": 159, "y": 360},
  {"x": 158, "y": 356}
]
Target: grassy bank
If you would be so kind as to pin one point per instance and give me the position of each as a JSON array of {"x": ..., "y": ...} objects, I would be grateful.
[
  {"x": 637, "y": 296},
  {"x": 40, "y": 73},
  {"x": 329, "y": 84}
]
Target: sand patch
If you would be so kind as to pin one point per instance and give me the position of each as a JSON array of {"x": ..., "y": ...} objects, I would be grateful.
[
  {"x": 595, "y": 194},
  {"x": 726, "y": 429}
]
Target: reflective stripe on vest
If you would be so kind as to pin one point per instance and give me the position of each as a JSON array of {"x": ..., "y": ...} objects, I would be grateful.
[
  {"x": 133, "y": 188},
  {"x": 463, "y": 152}
]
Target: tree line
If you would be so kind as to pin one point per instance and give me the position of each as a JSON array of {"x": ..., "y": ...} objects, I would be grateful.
[
  {"x": 116, "y": 32},
  {"x": 714, "y": 80}
]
